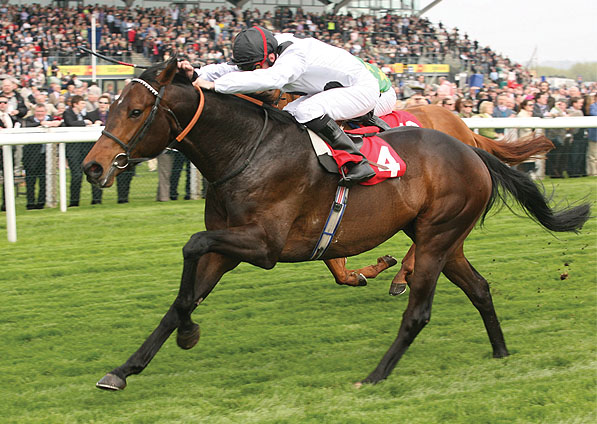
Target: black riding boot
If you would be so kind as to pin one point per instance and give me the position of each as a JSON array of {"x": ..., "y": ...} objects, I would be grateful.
[
  {"x": 327, "y": 129},
  {"x": 370, "y": 119}
]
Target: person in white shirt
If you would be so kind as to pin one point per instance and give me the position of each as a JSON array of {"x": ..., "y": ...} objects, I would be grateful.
[{"x": 334, "y": 84}]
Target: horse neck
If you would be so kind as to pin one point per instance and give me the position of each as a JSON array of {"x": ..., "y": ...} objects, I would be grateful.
[{"x": 223, "y": 136}]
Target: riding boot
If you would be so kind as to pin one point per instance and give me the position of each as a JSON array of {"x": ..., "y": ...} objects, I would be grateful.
[
  {"x": 327, "y": 129},
  {"x": 370, "y": 119}
]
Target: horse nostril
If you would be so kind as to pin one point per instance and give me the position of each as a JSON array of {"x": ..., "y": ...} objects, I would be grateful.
[{"x": 93, "y": 170}]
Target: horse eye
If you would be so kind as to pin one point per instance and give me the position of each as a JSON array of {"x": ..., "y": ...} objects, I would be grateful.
[{"x": 135, "y": 113}]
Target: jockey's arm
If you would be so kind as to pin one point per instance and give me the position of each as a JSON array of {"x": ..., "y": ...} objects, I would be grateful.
[{"x": 285, "y": 70}]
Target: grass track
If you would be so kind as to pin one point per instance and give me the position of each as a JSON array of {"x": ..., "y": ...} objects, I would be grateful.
[{"x": 80, "y": 291}]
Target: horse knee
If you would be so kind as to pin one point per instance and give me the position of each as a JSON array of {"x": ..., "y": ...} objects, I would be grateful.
[
  {"x": 416, "y": 318},
  {"x": 196, "y": 246}
]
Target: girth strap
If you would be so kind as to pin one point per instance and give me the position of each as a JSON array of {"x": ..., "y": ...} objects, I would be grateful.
[{"x": 332, "y": 223}]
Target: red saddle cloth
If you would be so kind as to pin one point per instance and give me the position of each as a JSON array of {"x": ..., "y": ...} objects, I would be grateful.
[
  {"x": 400, "y": 118},
  {"x": 375, "y": 149},
  {"x": 383, "y": 159}
]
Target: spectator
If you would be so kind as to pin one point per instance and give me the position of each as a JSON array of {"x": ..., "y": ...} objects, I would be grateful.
[
  {"x": 449, "y": 103},
  {"x": 16, "y": 103},
  {"x": 541, "y": 110},
  {"x": 557, "y": 158},
  {"x": 179, "y": 163},
  {"x": 465, "y": 108},
  {"x": 123, "y": 180},
  {"x": 7, "y": 121},
  {"x": 526, "y": 111},
  {"x": 165, "y": 161},
  {"x": 486, "y": 111},
  {"x": 34, "y": 158},
  {"x": 75, "y": 116},
  {"x": 502, "y": 110},
  {"x": 416, "y": 100},
  {"x": 544, "y": 88},
  {"x": 578, "y": 149},
  {"x": 592, "y": 147}
]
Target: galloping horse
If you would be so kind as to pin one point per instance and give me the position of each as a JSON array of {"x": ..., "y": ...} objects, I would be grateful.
[{"x": 269, "y": 199}]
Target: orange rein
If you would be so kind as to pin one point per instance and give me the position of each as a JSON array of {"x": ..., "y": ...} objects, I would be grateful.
[{"x": 189, "y": 127}]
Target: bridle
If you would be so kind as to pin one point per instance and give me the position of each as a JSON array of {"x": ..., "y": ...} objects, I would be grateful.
[{"x": 122, "y": 160}]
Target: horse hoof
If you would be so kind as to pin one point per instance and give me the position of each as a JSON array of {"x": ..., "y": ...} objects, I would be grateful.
[
  {"x": 397, "y": 289},
  {"x": 188, "y": 339},
  {"x": 111, "y": 382},
  {"x": 361, "y": 280},
  {"x": 389, "y": 260}
]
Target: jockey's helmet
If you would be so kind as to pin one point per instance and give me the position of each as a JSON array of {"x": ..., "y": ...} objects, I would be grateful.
[{"x": 252, "y": 46}]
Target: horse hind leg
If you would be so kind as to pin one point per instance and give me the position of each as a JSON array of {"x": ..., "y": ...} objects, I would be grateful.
[
  {"x": 342, "y": 275},
  {"x": 398, "y": 285},
  {"x": 358, "y": 277},
  {"x": 460, "y": 272},
  {"x": 417, "y": 314},
  {"x": 382, "y": 264}
]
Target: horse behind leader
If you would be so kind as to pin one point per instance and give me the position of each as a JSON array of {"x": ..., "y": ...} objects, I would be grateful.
[{"x": 270, "y": 198}]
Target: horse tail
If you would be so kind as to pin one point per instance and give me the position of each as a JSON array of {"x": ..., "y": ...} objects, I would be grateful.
[
  {"x": 525, "y": 192},
  {"x": 516, "y": 151}
]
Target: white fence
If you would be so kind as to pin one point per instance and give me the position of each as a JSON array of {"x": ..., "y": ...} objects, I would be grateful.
[{"x": 62, "y": 135}]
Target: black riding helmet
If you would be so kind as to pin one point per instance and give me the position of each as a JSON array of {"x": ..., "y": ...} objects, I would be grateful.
[{"x": 251, "y": 47}]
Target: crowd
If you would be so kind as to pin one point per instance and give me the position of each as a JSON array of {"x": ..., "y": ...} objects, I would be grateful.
[{"x": 34, "y": 37}]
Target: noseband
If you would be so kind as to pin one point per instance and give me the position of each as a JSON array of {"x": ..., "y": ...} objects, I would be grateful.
[{"x": 122, "y": 160}]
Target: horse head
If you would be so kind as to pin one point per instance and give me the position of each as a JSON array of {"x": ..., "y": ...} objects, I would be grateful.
[{"x": 140, "y": 124}]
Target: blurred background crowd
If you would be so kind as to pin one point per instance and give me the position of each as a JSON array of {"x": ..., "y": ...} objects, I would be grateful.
[{"x": 35, "y": 41}]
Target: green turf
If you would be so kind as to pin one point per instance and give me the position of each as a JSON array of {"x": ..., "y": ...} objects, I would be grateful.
[{"x": 79, "y": 292}]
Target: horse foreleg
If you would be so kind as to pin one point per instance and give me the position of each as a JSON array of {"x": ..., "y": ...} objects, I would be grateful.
[
  {"x": 459, "y": 271},
  {"x": 207, "y": 256},
  {"x": 398, "y": 285},
  {"x": 193, "y": 289},
  {"x": 415, "y": 317}
]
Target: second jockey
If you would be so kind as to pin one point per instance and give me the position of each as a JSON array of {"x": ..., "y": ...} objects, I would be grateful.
[{"x": 334, "y": 84}]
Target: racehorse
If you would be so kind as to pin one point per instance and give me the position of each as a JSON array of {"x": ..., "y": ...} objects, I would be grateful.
[{"x": 269, "y": 199}]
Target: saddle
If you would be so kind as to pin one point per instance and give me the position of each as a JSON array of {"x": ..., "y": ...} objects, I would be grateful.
[{"x": 381, "y": 156}]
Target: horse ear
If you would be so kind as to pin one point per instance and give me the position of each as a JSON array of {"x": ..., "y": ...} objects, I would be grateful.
[{"x": 167, "y": 75}]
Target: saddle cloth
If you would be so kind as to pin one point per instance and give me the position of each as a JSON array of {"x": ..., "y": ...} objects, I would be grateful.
[{"x": 381, "y": 156}]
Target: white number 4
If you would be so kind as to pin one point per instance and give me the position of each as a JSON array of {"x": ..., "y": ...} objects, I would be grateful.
[{"x": 386, "y": 159}]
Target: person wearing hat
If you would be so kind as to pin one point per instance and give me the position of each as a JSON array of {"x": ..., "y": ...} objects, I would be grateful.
[{"x": 335, "y": 85}]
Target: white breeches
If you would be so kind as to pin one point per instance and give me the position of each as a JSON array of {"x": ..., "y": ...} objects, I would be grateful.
[
  {"x": 385, "y": 103},
  {"x": 339, "y": 103}
]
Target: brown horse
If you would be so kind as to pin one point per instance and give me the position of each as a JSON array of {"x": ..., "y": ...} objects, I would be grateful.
[
  {"x": 441, "y": 119},
  {"x": 269, "y": 199}
]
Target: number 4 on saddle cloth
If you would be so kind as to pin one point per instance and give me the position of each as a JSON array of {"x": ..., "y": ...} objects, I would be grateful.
[{"x": 381, "y": 156}]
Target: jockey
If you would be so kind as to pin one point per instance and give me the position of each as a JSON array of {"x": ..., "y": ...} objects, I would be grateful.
[{"x": 334, "y": 84}]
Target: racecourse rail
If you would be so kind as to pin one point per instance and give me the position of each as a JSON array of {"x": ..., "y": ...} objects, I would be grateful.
[{"x": 62, "y": 135}]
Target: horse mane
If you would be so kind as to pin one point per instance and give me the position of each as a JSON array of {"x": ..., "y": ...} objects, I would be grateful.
[{"x": 151, "y": 74}]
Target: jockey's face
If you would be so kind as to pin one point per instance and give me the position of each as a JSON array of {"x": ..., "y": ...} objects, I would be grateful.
[{"x": 259, "y": 65}]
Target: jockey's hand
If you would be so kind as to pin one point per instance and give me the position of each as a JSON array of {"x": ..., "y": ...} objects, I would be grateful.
[
  {"x": 186, "y": 66},
  {"x": 200, "y": 83}
]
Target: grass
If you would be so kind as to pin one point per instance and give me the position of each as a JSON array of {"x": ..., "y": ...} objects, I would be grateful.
[{"x": 79, "y": 292}]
